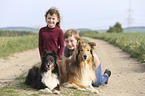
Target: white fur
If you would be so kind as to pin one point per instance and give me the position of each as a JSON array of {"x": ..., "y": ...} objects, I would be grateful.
[
  {"x": 46, "y": 90},
  {"x": 87, "y": 75},
  {"x": 50, "y": 79},
  {"x": 56, "y": 92}
]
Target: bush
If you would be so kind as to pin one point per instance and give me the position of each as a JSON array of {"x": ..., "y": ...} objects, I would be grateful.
[{"x": 117, "y": 28}]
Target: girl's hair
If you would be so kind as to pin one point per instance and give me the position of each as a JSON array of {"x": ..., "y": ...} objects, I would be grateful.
[
  {"x": 71, "y": 32},
  {"x": 52, "y": 11}
]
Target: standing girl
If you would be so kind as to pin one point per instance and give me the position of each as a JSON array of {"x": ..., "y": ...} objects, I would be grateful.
[{"x": 51, "y": 36}]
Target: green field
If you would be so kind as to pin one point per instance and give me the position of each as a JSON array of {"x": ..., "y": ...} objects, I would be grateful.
[
  {"x": 10, "y": 45},
  {"x": 132, "y": 43}
]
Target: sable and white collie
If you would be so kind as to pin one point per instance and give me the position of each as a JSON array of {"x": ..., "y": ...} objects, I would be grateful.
[
  {"x": 79, "y": 71},
  {"x": 45, "y": 78}
]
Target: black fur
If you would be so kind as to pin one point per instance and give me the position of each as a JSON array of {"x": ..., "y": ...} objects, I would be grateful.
[{"x": 34, "y": 78}]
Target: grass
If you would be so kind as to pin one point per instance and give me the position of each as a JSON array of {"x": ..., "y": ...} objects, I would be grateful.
[
  {"x": 18, "y": 88},
  {"x": 132, "y": 43},
  {"x": 10, "y": 45}
]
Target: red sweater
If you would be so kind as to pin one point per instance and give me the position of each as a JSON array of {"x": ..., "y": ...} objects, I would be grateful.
[{"x": 51, "y": 39}]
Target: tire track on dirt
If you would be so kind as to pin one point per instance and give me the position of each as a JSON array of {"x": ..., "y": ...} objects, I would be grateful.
[{"x": 128, "y": 75}]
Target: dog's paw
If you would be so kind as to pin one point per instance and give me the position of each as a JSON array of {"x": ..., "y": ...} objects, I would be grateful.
[
  {"x": 92, "y": 90},
  {"x": 56, "y": 92},
  {"x": 96, "y": 91},
  {"x": 46, "y": 90},
  {"x": 25, "y": 75},
  {"x": 71, "y": 85},
  {"x": 42, "y": 90}
]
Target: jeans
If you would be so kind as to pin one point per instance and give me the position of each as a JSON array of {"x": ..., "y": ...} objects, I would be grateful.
[{"x": 100, "y": 79}]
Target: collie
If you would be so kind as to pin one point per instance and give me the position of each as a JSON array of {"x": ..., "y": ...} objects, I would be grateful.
[
  {"x": 45, "y": 78},
  {"x": 79, "y": 71}
]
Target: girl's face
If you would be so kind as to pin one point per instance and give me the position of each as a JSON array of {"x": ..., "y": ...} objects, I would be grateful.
[
  {"x": 70, "y": 42},
  {"x": 51, "y": 20}
]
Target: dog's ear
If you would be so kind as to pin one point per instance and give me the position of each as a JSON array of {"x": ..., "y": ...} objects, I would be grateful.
[
  {"x": 92, "y": 44},
  {"x": 53, "y": 52},
  {"x": 45, "y": 52},
  {"x": 79, "y": 43}
]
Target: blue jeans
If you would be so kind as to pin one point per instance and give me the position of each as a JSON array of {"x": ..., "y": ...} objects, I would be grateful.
[{"x": 100, "y": 79}]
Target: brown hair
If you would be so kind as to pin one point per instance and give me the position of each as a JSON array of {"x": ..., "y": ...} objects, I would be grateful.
[
  {"x": 71, "y": 32},
  {"x": 52, "y": 11}
]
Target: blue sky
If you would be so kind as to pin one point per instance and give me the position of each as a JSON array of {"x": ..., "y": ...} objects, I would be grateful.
[{"x": 93, "y": 14}]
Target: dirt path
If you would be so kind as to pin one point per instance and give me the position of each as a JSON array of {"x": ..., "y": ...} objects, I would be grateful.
[
  {"x": 17, "y": 64},
  {"x": 128, "y": 75}
]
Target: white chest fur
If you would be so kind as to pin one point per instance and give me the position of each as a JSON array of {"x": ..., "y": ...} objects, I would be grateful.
[
  {"x": 87, "y": 75},
  {"x": 50, "y": 79}
]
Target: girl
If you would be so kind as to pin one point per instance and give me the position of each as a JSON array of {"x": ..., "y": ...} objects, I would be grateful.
[{"x": 51, "y": 36}]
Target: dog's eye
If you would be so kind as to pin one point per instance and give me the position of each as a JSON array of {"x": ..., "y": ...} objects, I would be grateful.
[
  {"x": 88, "y": 50},
  {"x": 82, "y": 50}
]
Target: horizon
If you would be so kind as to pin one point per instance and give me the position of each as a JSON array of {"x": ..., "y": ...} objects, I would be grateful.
[
  {"x": 77, "y": 28},
  {"x": 4, "y": 28}
]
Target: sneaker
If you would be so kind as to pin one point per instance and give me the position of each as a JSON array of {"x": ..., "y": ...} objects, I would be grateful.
[{"x": 108, "y": 72}]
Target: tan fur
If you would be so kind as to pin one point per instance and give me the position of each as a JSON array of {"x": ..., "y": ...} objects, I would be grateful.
[{"x": 79, "y": 71}]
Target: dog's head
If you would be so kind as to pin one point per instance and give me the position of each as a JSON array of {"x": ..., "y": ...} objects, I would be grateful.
[
  {"x": 48, "y": 60},
  {"x": 85, "y": 51}
]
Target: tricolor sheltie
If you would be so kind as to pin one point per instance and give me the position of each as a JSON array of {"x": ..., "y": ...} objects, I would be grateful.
[
  {"x": 45, "y": 78},
  {"x": 79, "y": 71}
]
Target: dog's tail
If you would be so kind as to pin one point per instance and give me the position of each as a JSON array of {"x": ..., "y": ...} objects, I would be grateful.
[{"x": 32, "y": 76}]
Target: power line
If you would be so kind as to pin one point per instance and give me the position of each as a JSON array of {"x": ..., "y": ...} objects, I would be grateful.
[{"x": 130, "y": 19}]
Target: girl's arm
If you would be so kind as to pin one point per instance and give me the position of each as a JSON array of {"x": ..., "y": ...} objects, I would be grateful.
[
  {"x": 61, "y": 44},
  {"x": 40, "y": 43},
  {"x": 96, "y": 60}
]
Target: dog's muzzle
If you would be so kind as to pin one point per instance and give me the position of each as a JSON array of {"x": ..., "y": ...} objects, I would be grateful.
[
  {"x": 48, "y": 66},
  {"x": 85, "y": 57}
]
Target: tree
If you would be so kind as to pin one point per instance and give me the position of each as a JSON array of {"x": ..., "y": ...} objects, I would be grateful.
[
  {"x": 117, "y": 28},
  {"x": 111, "y": 30}
]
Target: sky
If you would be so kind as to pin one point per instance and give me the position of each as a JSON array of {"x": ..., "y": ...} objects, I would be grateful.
[{"x": 92, "y": 14}]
